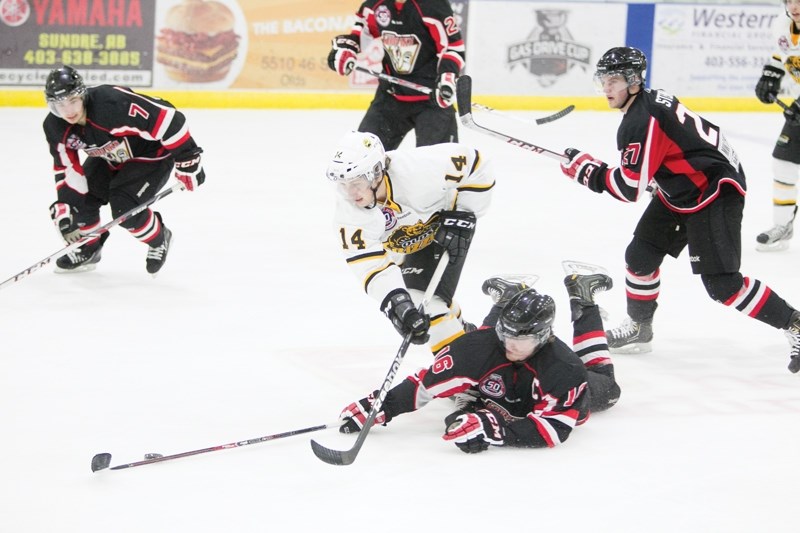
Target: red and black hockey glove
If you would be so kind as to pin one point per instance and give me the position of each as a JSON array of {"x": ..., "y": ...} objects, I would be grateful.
[
  {"x": 445, "y": 93},
  {"x": 61, "y": 214},
  {"x": 769, "y": 84},
  {"x": 475, "y": 432},
  {"x": 455, "y": 232},
  {"x": 583, "y": 167},
  {"x": 406, "y": 318},
  {"x": 355, "y": 415},
  {"x": 189, "y": 169},
  {"x": 342, "y": 57}
]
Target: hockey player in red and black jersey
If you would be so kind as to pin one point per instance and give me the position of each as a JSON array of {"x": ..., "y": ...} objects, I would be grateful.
[
  {"x": 698, "y": 201},
  {"x": 422, "y": 44},
  {"x": 532, "y": 388},
  {"x": 113, "y": 146}
]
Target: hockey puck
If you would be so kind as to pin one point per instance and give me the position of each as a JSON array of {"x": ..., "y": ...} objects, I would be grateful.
[{"x": 149, "y": 456}]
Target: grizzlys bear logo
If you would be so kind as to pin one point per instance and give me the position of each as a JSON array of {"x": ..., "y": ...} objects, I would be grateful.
[
  {"x": 414, "y": 237},
  {"x": 792, "y": 65},
  {"x": 549, "y": 51}
]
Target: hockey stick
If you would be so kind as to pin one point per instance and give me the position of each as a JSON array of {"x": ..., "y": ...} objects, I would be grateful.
[
  {"x": 101, "y": 461},
  {"x": 337, "y": 457},
  {"x": 427, "y": 90},
  {"x": 96, "y": 233},
  {"x": 464, "y": 96},
  {"x": 784, "y": 106}
]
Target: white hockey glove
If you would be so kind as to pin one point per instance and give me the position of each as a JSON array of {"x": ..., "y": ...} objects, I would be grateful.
[
  {"x": 446, "y": 90},
  {"x": 61, "y": 214},
  {"x": 342, "y": 57},
  {"x": 189, "y": 169},
  {"x": 475, "y": 432},
  {"x": 355, "y": 415},
  {"x": 582, "y": 167}
]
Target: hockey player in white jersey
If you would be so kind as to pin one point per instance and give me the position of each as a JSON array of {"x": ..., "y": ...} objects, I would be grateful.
[
  {"x": 786, "y": 154},
  {"x": 396, "y": 213}
]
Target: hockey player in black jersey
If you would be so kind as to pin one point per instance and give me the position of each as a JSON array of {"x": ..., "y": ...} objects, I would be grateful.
[
  {"x": 533, "y": 389},
  {"x": 113, "y": 146},
  {"x": 422, "y": 44},
  {"x": 698, "y": 201}
]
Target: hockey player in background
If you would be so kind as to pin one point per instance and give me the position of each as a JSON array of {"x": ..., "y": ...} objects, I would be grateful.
[
  {"x": 422, "y": 44},
  {"x": 786, "y": 154},
  {"x": 699, "y": 200},
  {"x": 131, "y": 143},
  {"x": 396, "y": 212},
  {"x": 533, "y": 389}
]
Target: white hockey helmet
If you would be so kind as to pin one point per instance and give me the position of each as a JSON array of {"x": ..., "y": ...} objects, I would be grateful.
[{"x": 358, "y": 155}]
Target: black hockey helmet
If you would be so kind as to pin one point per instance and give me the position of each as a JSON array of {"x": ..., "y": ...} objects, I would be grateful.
[
  {"x": 62, "y": 83},
  {"x": 625, "y": 60},
  {"x": 527, "y": 314}
]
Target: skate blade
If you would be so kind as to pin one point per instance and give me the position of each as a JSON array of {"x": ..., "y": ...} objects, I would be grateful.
[
  {"x": 579, "y": 267},
  {"x": 76, "y": 270},
  {"x": 778, "y": 246},
  {"x": 637, "y": 347}
]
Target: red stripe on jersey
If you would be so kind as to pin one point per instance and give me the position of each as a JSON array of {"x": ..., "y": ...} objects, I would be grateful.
[
  {"x": 179, "y": 142},
  {"x": 587, "y": 336}
]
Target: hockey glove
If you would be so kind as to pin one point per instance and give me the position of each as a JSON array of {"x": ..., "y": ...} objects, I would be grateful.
[
  {"x": 406, "y": 318},
  {"x": 355, "y": 415},
  {"x": 455, "y": 232},
  {"x": 769, "y": 84},
  {"x": 445, "y": 93},
  {"x": 342, "y": 57},
  {"x": 582, "y": 167},
  {"x": 61, "y": 214},
  {"x": 189, "y": 169},
  {"x": 792, "y": 115},
  {"x": 475, "y": 432}
]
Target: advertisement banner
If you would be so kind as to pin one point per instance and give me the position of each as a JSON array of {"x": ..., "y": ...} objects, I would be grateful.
[
  {"x": 108, "y": 41},
  {"x": 719, "y": 50},
  {"x": 536, "y": 48}
]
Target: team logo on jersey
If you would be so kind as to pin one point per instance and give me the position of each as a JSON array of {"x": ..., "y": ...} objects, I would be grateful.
[
  {"x": 412, "y": 238},
  {"x": 550, "y": 50},
  {"x": 402, "y": 50},
  {"x": 74, "y": 142},
  {"x": 493, "y": 386},
  {"x": 792, "y": 65},
  {"x": 389, "y": 218},
  {"x": 116, "y": 151},
  {"x": 383, "y": 16}
]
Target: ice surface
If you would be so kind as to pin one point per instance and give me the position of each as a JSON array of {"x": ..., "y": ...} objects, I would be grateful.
[{"x": 255, "y": 326}]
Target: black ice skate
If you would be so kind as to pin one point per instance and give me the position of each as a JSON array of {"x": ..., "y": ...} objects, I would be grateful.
[
  {"x": 630, "y": 337},
  {"x": 157, "y": 255},
  {"x": 502, "y": 289},
  {"x": 582, "y": 288},
  {"x": 83, "y": 259},
  {"x": 793, "y": 333}
]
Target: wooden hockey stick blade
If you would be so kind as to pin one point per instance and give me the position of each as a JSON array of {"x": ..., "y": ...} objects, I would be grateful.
[
  {"x": 464, "y": 99},
  {"x": 346, "y": 457}
]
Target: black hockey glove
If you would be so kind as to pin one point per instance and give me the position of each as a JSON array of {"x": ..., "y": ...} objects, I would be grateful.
[
  {"x": 769, "y": 84},
  {"x": 61, "y": 214},
  {"x": 406, "y": 318},
  {"x": 475, "y": 432},
  {"x": 792, "y": 115},
  {"x": 455, "y": 232},
  {"x": 583, "y": 168},
  {"x": 342, "y": 57},
  {"x": 445, "y": 93},
  {"x": 189, "y": 169},
  {"x": 354, "y": 416}
]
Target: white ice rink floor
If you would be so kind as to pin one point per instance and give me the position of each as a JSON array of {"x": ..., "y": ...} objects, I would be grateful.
[{"x": 255, "y": 326}]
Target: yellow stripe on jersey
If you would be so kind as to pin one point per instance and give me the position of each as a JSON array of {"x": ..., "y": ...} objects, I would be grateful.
[
  {"x": 374, "y": 273},
  {"x": 476, "y": 187},
  {"x": 475, "y": 163},
  {"x": 391, "y": 204},
  {"x": 439, "y": 345},
  {"x": 365, "y": 257}
]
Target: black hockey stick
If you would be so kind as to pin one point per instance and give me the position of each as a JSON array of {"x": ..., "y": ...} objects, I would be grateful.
[
  {"x": 784, "y": 106},
  {"x": 464, "y": 96},
  {"x": 96, "y": 233},
  {"x": 101, "y": 461},
  {"x": 346, "y": 457},
  {"x": 427, "y": 90}
]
